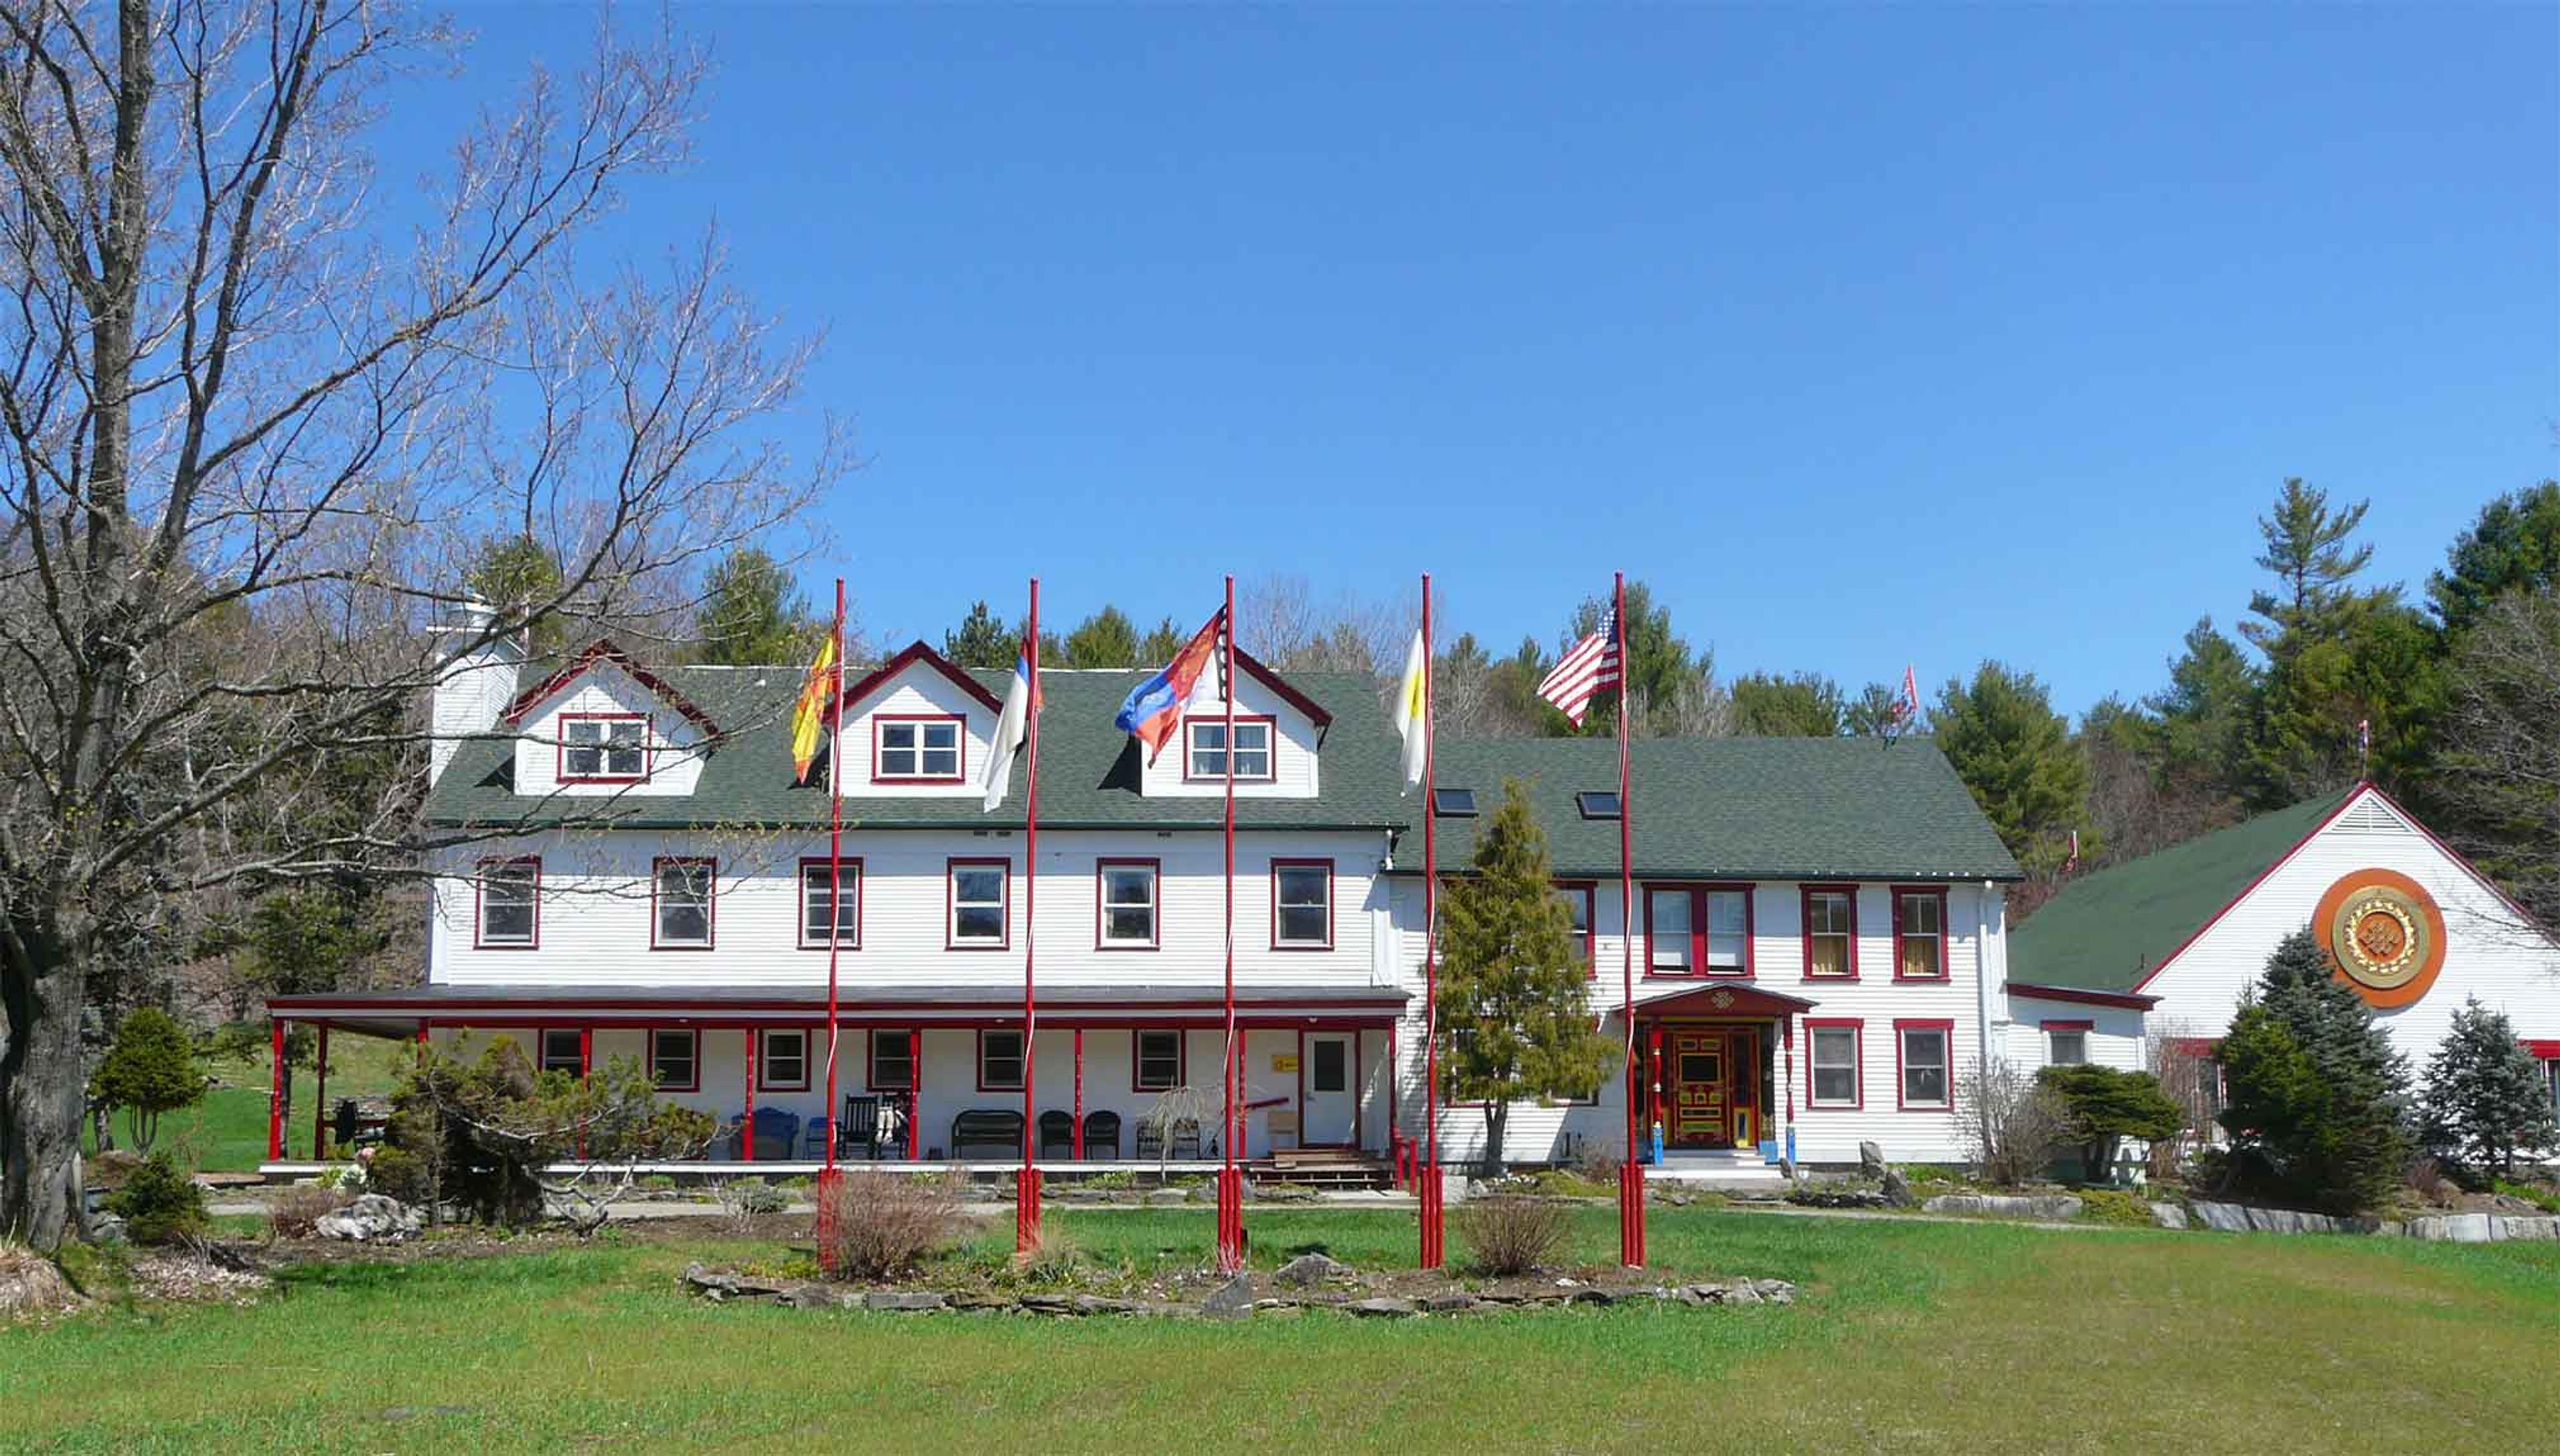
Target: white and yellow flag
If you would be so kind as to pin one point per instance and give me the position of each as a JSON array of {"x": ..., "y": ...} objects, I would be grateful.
[{"x": 1413, "y": 713}]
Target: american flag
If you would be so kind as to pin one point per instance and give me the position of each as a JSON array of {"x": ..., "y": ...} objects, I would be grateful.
[{"x": 1591, "y": 666}]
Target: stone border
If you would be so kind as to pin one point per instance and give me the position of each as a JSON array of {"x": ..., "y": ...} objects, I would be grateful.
[
  {"x": 2432, "y": 1227},
  {"x": 1233, "y": 1300}
]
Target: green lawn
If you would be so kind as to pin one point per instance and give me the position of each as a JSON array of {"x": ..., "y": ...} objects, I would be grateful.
[
  {"x": 1911, "y": 1337},
  {"x": 226, "y": 1132}
]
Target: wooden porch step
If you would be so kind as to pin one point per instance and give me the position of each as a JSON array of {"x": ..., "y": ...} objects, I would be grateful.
[{"x": 1323, "y": 1168}]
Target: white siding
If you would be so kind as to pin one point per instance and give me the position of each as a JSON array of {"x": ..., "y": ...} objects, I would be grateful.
[
  {"x": 675, "y": 741},
  {"x": 2115, "y": 1032},
  {"x": 2489, "y": 950},
  {"x": 917, "y": 690},
  {"x": 1293, "y": 746}
]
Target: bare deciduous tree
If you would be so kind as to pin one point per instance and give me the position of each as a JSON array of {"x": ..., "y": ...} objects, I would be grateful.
[
  {"x": 250, "y": 452},
  {"x": 2498, "y": 765}
]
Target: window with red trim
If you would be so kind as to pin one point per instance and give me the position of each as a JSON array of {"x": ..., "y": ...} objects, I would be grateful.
[
  {"x": 676, "y": 1060},
  {"x": 1125, "y": 904},
  {"x": 1924, "y": 1059},
  {"x": 1692, "y": 928},
  {"x": 1920, "y": 935},
  {"x": 981, "y": 905},
  {"x": 1204, "y": 741},
  {"x": 917, "y": 750},
  {"x": 1834, "y": 1075},
  {"x": 510, "y": 910},
  {"x": 1578, "y": 901},
  {"x": 893, "y": 1061},
  {"x": 1830, "y": 933},
  {"x": 563, "y": 1050},
  {"x": 680, "y": 903},
  {"x": 604, "y": 748},
  {"x": 825, "y": 909},
  {"x": 1302, "y": 905},
  {"x": 1158, "y": 1062},
  {"x": 2066, "y": 1043},
  {"x": 782, "y": 1059},
  {"x": 1000, "y": 1060}
]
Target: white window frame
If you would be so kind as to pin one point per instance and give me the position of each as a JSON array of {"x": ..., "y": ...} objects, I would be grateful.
[
  {"x": 1107, "y": 908},
  {"x": 1857, "y": 1069},
  {"x": 1904, "y": 1064},
  {"x": 915, "y": 751},
  {"x": 1667, "y": 949},
  {"x": 1002, "y": 905},
  {"x": 1738, "y": 938},
  {"x": 766, "y": 1080},
  {"x": 1138, "y": 1060},
  {"x": 573, "y": 1059},
  {"x": 1197, "y": 754},
  {"x": 1280, "y": 873},
  {"x": 606, "y": 736},
  {"x": 693, "y": 1041},
  {"x": 526, "y": 871},
  {"x": 848, "y": 897},
  {"x": 1021, "y": 1055},
  {"x": 674, "y": 873},
  {"x": 2053, "y": 1044}
]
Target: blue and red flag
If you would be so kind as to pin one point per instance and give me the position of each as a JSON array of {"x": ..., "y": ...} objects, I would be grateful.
[{"x": 1154, "y": 708}]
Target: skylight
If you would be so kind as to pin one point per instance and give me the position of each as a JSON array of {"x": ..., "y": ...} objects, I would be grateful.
[
  {"x": 1454, "y": 803},
  {"x": 1597, "y": 803}
]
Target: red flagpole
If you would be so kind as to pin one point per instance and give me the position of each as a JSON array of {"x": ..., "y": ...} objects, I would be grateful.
[
  {"x": 1230, "y": 1181},
  {"x": 1027, "y": 1189},
  {"x": 830, "y": 1177},
  {"x": 1427, "y": 1199},
  {"x": 1630, "y": 1174}
]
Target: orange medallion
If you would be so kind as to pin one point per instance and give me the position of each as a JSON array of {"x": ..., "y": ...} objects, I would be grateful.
[{"x": 2384, "y": 936}]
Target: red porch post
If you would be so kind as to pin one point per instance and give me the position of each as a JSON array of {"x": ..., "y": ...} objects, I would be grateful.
[
  {"x": 746, "y": 1126},
  {"x": 320, "y": 1098},
  {"x": 275, "y": 1097},
  {"x": 585, "y": 1072},
  {"x": 1079, "y": 1095},
  {"x": 914, "y": 1093}
]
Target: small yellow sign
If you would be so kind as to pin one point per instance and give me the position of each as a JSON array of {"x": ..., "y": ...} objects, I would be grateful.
[{"x": 1284, "y": 1061}]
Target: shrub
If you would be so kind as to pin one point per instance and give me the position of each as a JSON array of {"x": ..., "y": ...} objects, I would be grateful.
[
  {"x": 1507, "y": 1233},
  {"x": 2104, "y": 1105},
  {"x": 742, "y": 1200},
  {"x": 109, "y": 1170},
  {"x": 159, "y": 1204},
  {"x": 295, "y": 1211},
  {"x": 151, "y": 1070},
  {"x": 2540, "y": 1194},
  {"x": 2114, "y": 1205},
  {"x": 2426, "y": 1179},
  {"x": 2010, "y": 1124},
  {"x": 1600, "y": 1163},
  {"x": 884, "y": 1224},
  {"x": 2486, "y": 1100},
  {"x": 2316, "y": 1090}
]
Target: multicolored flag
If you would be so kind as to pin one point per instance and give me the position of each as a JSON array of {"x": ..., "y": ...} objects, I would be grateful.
[
  {"x": 1412, "y": 713},
  {"x": 1907, "y": 711},
  {"x": 809, "y": 714},
  {"x": 1591, "y": 666},
  {"x": 1154, "y": 708},
  {"x": 1022, "y": 704}
]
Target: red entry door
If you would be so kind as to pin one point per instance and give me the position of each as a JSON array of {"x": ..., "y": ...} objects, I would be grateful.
[{"x": 1701, "y": 1083}]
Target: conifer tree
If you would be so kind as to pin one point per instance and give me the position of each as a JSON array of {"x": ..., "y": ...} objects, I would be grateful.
[
  {"x": 753, "y": 614},
  {"x": 2486, "y": 1097},
  {"x": 2317, "y": 1096},
  {"x": 2003, "y": 737},
  {"x": 1105, "y": 639},
  {"x": 982, "y": 641},
  {"x": 1514, "y": 1004}
]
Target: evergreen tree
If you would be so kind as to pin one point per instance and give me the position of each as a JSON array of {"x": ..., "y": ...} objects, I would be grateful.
[
  {"x": 150, "y": 1070},
  {"x": 1105, "y": 639},
  {"x": 2513, "y": 546},
  {"x": 1661, "y": 670},
  {"x": 1800, "y": 706},
  {"x": 2105, "y": 1105},
  {"x": 2486, "y": 1097},
  {"x": 1876, "y": 712},
  {"x": 517, "y": 575},
  {"x": 2015, "y": 752},
  {"x": 1160, "y": 644},
  {"x": 753, "y": 614},
  {"x": 2204, "y": 711},
  {"x": 2315, "y": 1093},
  {"x": 2306, "y": 550},
  {"x": 1513, "y": 1010},
  {"x": 982, "y": 641}
]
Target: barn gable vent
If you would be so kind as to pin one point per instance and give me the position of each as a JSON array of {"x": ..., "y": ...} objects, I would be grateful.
[{"x": 2371, "y": 816}]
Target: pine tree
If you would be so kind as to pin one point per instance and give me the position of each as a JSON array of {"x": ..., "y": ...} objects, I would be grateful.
[
  {"x": 1105, "y": 639},
  {"x": 753, "y": 614},
  {"x": 2015, "y": 752},
  {"x": 150, "y": 1070},
  {"x": 1798, "y": 705},
  {"x": 2486, "y": 1100},
  {"x": 982, "y": 641},
  {"x": 2514, "y": 546},
  {"x": 1160, "y": 644},
  {"x": 1513, "y": 1010},
  {"x": 2339, "y": 1139}
]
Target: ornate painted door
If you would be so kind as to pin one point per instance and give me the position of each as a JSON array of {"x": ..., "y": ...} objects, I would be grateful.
[{"x": 1699, "y": 1114}]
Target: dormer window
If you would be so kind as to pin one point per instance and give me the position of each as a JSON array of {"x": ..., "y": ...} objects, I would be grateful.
[
  {"x": 599, "y": 748},
  {"x": 916, "y": 749},
  {"x": 1207, "y": 756}
]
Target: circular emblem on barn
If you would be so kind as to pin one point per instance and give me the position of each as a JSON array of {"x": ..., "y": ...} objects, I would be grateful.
[{"x": 2385, "y": 935}]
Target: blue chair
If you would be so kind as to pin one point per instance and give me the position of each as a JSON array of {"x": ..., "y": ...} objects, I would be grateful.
[
  {"x": 777, "y": 1134},
  {"x": 813, "y": 1138}
]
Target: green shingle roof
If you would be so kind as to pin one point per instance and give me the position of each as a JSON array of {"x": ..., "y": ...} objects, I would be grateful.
[
  {"x": 2108, "y": 931},
  {"x": 1088, "y": 767},
  {"x": 1706, "y": 808},
  {"x": 1736, "y": 808}
]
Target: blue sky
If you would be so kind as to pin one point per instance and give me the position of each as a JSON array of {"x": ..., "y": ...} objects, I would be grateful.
[{"x": 1868, "y": 336}]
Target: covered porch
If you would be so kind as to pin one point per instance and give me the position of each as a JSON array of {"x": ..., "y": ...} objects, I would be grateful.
[
  {"x": 1716, "y": 1073},
  {"x": 927, "y": 1077}
]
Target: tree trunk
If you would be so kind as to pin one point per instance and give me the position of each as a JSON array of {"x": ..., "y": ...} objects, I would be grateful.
[
  {"x": 1497, "y": 1114},
  {"x": 41, "y": 1081}
]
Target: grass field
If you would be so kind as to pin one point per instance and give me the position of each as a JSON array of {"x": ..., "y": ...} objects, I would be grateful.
[
  {"x": 1910, "y": 1337},
  {"x": 226, "y": 1132}
]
